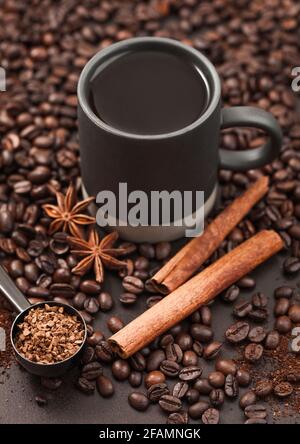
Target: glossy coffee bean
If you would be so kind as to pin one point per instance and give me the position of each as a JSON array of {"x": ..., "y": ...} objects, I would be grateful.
[
  {"x": 248, "y": 398},
  {"x": 257, "y": 334},
  {"x": 196, "y": 410},
  {"x": 255, "y": 411},
  {"x": 253, "y": 352},
  {"x": 211, "y": 416},
  {"x": 201, "y": 333},
  {"x": 281, "y": 307},
  {"x": 231, "y": 294},
  {"x": 138, "y": 401},
  {"x": 212, "y": 350},
  {"x": 231, "y": 386},
  {"x": 154, "y": 377},
  {"x": 180, "y": 389},
  {"x": 120, "y": 369},
  {"x": 283, "y": 324},
  {"x": 156, "y": 391},
  {"x": 135, "y": 378},
  {"x": 217, "y": 397},
  {"x": 192, "y": 396},
  {"x": 226, "y": 366},
  {"x": 115, "y": 324},
  {"x": 237, "y": 332},
  {"x": 105, "y": 301},
  {"x": 105, "y": 386},
  {"x": 203, "y": 386},
  {"x": 133, "y": 284},
  {"x": 272, "y": 340},
  {"x": 155, "y": 359},
  {"x": 294, "y": 313},
  {"x": 184, "y": 340},
  {"x": 263, "y": 388},
  {"x": 216, "y": 379},
  {"x": 190, "y": 373},
  {"x": 169, "y": 403},
  {"x": 190, "y": 358},
  {"x": 243, "y": 377}
]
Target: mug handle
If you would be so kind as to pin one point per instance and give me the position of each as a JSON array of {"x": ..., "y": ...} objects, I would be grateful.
[{"x": 250, "y": 116}]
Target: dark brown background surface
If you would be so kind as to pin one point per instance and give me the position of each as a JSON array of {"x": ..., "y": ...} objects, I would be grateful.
[{"x": 68, "y": 405}]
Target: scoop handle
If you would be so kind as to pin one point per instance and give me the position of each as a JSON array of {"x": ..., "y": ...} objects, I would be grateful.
[{"x": 12, "y": 293}]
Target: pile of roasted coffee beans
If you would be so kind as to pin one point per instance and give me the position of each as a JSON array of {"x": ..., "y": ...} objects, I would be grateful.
[{"x": 43, "y": 47}]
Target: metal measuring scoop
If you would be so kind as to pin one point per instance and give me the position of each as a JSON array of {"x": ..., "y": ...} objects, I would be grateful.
[{"x": 14, "y": 295}]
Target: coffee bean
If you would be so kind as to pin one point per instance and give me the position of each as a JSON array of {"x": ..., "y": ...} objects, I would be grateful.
[
  {"x": 281, "y": 307},
  {"x": 196, "y": 410},
  {"x": 95, "y": 338},
  {"x": 86, "y": 386},
  {"x": 211, "y": 416},
  {"x": 226, "y": 366},
  {"x": 174, "y": 353},
  {"x": 105, "y": 386},
  {"x": 257, "y": 334},
  {"x": 154, "y": 377},
  {"x": 152, "y": 300},
  {"x": 291, "y": 265},
  {"x": 178, "y": 418},
  {"x": 203, "y": 386},
  {"x": 293, "y": 376},
  {"x": 156, "y": 391},
  {"x": 216, "y": 379},
  {"x": 104, "y": 352},
  {"x": 88, "y": 355},
  {"x": 253, "y": 352},
  {"x": 283, "y": 389},
  {"x": 138, "y": 362},
  {"x": 105, "y": 301},
  {"x": 115, "y": 324},
  {"x": 259, "y": 300},
  {"x": 237, "y": 332},
  {"x": 231, "y": 294},
  {"x": 272, "y": 340},
  {"x": 128, "y": 298},
  {"x": 243, "y": 377},
  {"x": 155, "y": 359},
  {"x": 242, "y": 309},
  {"x": 190, "y": 358},
  {"x": 201, "y": 333},
  {"x": 190, "y": 373},
  {"x": 147, "y": 250},
  {"x": 133, "y": 284},
  {"x": 90, "y": 287},
  {"x": 294, "y": 313},
  {"x": 206, "y": 315},
  {"x": 198, "y": 348},
  {"x": 212, "y": 350},
  {"x": 162, "y": 250},
  {"x": 141, "y": 264},
  {"x": 283, "y": 324},
  {"x": 170, "y": 368},
  {"x": 263, "y": 388},
  {"x": 135, "y": 378},
  {"x": 283, "y": 292},
  {"x": 246, "y": 282},
  {"x": 169, "y": 403},
  {"x": 248, "y": 398},
  {"x": 184, "y": 340},
  {"x": 256, "y": 411},
  {"x": 91, "y": 305},
  {"x": 217, "y": 397},
  {"x": 6, "y": 222},
  {"x": 180, "y": 389},
  {"x": 231, "y": 387},
  {"x": 79, "y": 300},
  {"x": 91, "y": 371},
  {"x": 120, "y": 369}
]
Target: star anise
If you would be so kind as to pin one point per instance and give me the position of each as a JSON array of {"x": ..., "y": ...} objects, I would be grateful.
[
  {"x": 96, "y": 252},
  {"x": 66, "y": 213}
]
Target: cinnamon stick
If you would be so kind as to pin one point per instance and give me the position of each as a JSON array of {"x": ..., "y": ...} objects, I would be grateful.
[
  {"x": 188, "y": 260},
  {"x": 197, "y": 291}
]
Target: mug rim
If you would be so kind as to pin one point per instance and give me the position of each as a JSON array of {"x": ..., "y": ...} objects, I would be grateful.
[{"x": 126, "y": 45}]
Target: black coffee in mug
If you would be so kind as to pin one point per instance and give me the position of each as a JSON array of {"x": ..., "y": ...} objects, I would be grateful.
[
  {"x": 150, "y": 117},
  {"x": 149, "y": 92}
]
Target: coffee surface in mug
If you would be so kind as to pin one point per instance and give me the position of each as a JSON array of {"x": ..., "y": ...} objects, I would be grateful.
[{"x": 148, "y": 92}]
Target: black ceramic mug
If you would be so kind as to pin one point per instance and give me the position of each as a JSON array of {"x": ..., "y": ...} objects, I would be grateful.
[{"x": 180, "y": 158}]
